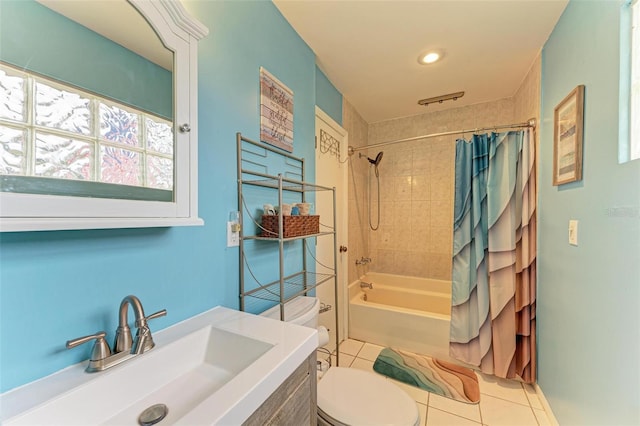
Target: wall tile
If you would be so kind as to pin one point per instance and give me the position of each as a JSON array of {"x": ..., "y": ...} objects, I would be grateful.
[
  {"x": 402, "y": 187},
  {"x": 402, "y": 212},
  {"x": 358, "y": 130},
  {"x": 440, "y": 239},
  {"x": 420, "y": 215},
  {"x": 420, "y": 240},
  {"x": 420, "y": 187},
  {"x": 439, "y": 266},
  {"x": 441, "y": 212},
  {"x": 422, "y": 158},
  {"x": 442, "y": 188}
]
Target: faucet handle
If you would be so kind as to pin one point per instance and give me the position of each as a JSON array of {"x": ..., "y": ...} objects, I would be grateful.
[
  {"x": 143, "y": 321},
  {"x": 156, "y": 315},
  {"x": 144, "y": 341},
  {"x": 100, "y": 347}
]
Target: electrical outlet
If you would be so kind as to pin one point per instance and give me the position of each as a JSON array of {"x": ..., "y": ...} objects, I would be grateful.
[
  {"x": 573, "y": 232},
  {"x": 233, "y": 238}
]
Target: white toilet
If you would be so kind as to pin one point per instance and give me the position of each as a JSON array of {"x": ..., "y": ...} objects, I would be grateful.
[{"x": 348, "y": 396}]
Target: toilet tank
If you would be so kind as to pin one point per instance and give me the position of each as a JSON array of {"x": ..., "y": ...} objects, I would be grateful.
[{"x": 302, "y": 310}]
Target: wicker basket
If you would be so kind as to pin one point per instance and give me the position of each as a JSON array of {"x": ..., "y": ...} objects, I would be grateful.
[{"x": 294, "y": 226}]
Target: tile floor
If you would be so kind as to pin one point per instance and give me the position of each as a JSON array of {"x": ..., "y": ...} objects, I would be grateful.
[{"x": 502, "y": 402}]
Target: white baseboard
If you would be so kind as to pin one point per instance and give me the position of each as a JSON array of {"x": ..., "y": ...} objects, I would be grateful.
[{"x": 545, "y": 404}]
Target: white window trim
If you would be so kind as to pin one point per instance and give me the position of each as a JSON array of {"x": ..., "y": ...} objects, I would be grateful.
[
  {"x": 634, "y": 114},
  {"x": 626, "y": 138},
  {"x": 32, "y": 212}
]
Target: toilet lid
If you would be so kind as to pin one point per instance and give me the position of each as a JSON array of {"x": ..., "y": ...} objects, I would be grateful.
[{"x": 357, "y": 397}]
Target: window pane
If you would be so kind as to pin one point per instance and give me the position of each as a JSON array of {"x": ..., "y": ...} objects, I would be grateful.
[
  {"x": 118, "y": 125},
  {"x": 634, "y": 131},
  {"x": 159, "y": 136},
  {"x": 63, "y": 158},
  {"x": 159, "y": 172},
  {"x": 60, "y": 109},
  {"x": 120, "y": 166},
  {"x": 12, "y": 97},
  {"x": 12, "y": 160}
]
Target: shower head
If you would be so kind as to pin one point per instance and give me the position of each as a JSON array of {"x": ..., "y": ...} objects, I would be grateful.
[{"x": 377, "y": 159}]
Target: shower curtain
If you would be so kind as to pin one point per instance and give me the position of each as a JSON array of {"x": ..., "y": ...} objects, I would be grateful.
[{"x": 494, "y": 255}]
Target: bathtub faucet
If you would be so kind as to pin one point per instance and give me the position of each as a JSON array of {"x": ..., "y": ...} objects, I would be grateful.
[
  {"x": 363, "y": 261},
  {"x": 366, "y": 285}
]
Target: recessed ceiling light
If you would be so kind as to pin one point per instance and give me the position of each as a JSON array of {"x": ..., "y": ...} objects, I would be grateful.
[{"x": 429, "y": 57}]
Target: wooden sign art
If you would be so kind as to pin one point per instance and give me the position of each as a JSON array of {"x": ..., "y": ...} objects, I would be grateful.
[{"x": 276, "y": 112}]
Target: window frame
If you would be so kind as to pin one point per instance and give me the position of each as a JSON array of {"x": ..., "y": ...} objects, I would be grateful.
[
  {"x": 629, "y": 141},
  {"x": 29, "y": 212},
  {"x": 634, "y": 84}
]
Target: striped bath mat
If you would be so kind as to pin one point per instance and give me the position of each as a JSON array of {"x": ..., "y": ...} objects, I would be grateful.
[{"x": 430, "y": 374}]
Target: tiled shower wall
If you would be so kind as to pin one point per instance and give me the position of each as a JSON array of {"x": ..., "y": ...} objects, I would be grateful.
[
  {"x": 358, "y": 246},
  {"x": 417, "y": 182},
  {"x": 416, "y": 189}
]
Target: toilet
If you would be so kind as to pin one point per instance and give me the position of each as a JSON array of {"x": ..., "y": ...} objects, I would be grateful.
[{"x": 348, "y": 396}]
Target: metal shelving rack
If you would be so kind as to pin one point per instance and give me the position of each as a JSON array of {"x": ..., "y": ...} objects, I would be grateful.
[{"x": 251, "y": 158}]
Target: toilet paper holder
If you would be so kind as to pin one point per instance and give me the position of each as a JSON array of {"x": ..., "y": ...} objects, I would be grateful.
[
  {"x": 324, "y": 359},
  {"x": 324, "y": 308}
]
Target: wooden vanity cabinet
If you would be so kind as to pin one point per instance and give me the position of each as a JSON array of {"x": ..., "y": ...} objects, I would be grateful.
[{"x": 294, "y": 402}]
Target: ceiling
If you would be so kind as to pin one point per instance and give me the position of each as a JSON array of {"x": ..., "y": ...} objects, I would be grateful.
[{"x": 369, "y": 49}]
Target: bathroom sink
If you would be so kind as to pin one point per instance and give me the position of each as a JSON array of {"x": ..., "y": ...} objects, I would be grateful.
[
  {"x": 201, "y": 365},
  {"x": 214, "y": 368}
]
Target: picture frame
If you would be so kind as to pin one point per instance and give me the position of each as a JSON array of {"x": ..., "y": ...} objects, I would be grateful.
[
  {"x": 568, "y": 123},
  {"x": 276, "y": 112}
]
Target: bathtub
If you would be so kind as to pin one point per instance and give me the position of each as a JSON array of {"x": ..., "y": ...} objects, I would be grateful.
[{"x": 405, "y": 312}]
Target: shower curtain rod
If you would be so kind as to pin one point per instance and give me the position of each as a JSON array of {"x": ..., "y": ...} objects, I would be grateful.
[{"x": 530, "y": 123}]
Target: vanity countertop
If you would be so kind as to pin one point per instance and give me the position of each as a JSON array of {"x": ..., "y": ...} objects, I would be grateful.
[{"x": 232, "y": 403}]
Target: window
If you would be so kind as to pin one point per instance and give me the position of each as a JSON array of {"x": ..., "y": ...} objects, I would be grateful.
[
  {"x": 50, "y": 133},
  {"x": 629, "y": 92},
  {"x": 634, "y": 131}
]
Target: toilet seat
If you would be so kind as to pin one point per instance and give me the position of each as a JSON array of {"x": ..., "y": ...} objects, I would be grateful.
[{"x": 348, "y": 396}]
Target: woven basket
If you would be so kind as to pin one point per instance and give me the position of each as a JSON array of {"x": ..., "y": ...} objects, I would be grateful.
[{"x": 294, "y": 226}]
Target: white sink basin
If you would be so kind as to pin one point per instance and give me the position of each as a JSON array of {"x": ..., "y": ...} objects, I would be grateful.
[{"x": 215, "y": 368}]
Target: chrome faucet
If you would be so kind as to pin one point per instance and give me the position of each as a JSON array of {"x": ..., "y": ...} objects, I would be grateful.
[
  {"x": 364, "y": 284},
  {"x": 143, "y": 341},
  {"x": 124, "y": 346},
  {"x": 363, "y": 261}
]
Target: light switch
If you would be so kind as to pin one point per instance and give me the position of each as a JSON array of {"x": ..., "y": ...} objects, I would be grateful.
[
  {"x": 233, "y": 234},
  {"x": 573, "y": 232}
]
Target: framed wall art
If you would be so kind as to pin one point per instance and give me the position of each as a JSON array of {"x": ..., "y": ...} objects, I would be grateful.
[
  {"x": 568, "y": 121},
  {"x": 276, "y": 112}
]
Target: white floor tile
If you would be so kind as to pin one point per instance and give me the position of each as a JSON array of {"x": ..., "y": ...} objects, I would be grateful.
[
  {"x": 363, "y": 364},
  {"x": 351, "y": 347},
  {"x": 370, "y": 351},
  {"x": 510, "y": 390},
  {"x": 422, "y": 409},
  {"x": 534, "y": 401},
  {"x": 502, "y": 402},
  {"x": 345, "y": 360},
  {"x": 499, "y": 412},
  {"x": 469, "y": 411},
  {"x": 420, "y": 396},
  {"x": 436, "y": 417},
  {"x": 542, "y": 418}
]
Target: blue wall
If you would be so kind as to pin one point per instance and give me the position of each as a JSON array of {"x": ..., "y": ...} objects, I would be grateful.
[
  {"x": 59, "y": 285},
  {"x": 68, "y": 52},
  {"x": 327, "y": 97},
  {"x": 589, "y": 296}
]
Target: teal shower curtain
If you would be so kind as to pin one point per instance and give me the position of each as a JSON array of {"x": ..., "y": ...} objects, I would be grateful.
[{"x": 494, "y": 254}]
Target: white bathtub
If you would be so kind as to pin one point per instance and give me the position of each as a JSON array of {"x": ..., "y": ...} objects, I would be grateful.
[{"x": 405, "y": 312}]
